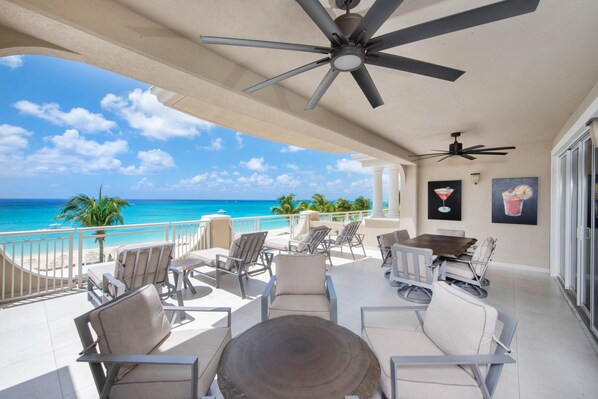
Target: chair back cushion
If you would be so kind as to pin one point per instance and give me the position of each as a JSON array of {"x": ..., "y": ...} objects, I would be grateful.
[
  {"x": 140, "y": 264},
  {"x": 247, "y": 247},
  {"x": 346, "y": 236},
  {"x": 301, "y": 274},
  {"x": 482, "y": 254},
  {"x": 402, "y": 235},
  {"x": 458, "y": 323},
  {"x": 131, "y": 324},
  {"x": 314, "y": 237}
]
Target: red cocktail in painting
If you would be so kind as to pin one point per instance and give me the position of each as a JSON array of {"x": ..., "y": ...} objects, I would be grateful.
[
  {"x": 443, "y": 194},
  {"x": 513, "y": 199}
]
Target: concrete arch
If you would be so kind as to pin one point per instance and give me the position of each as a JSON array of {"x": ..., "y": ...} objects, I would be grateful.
[{"x": 17, "y": 43}]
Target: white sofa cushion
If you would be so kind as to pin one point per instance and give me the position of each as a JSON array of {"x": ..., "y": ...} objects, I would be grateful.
[
  {"x": 174, "y": 382},
  {"x": 279, "y": 242},
  {"x": 307, "y": 305},
  {"x": 208, "y": 256},
  {"x": 301, "y": 274},
  {"x": 418, "y": 382},
  {"x": 97, "y": 271},
  {"x": 458, "y": 323},
  {"x": 133, "y": 324}
]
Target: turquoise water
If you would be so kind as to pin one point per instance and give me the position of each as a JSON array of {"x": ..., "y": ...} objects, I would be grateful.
[{"x": 35, "y": 214}]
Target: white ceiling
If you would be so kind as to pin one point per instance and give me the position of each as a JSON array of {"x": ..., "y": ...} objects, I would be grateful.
[{"x": 524, "y": 76}]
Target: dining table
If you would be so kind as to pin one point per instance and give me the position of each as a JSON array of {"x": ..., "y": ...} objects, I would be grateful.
[{"x": 443, "y": 246}]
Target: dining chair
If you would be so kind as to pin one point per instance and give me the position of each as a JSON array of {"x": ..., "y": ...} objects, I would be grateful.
[
  {"x": 469, "y": 272},
  {"x": 415, "y": 270}
]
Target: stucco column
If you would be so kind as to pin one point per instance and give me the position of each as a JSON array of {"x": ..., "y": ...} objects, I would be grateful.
[
  {"x": 393, "y": 192},
  {"x": 377, "y": 193}
]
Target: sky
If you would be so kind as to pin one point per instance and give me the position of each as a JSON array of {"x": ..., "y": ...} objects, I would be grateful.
[{"x": 67, "y": 128}]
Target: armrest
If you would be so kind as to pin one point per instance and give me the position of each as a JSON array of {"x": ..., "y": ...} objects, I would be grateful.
[
  {"x": 415, "y": 308},
  {"x": 138, "y": 359},
  {"x": 179, "y": 275},
  {"x": 266, "y": 296},
  {"x": 109, "y": 279},
  {"x": 331, "y": 294},
  {"x": 223, "y": 309},
  {"x": 238, "y": 261},
  {"x": 450, "y": 360}
]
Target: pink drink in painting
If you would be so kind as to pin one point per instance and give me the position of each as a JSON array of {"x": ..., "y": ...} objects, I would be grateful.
[
  {"x": 443, "y": 194},
  {"x": 513, "y": 199}
]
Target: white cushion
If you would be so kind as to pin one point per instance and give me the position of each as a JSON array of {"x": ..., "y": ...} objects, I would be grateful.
[
  {"x": 459, "y": 269},
  {"x": 307, "y": 305},
  {"x": 149, "y": 261},
  {"x": 280, "y": 243},
  {"x": 174, "y": 382},
  {"x": 458, "y": 323},
  {"x": 482, "y": 255},
  {"x": 96, "y": 272},
  {"x": 301, "y": 274},
  {"x": 208, "y": 256},
  {"x": 418, "y": 382},
  {"x": 133, "y": 324}
]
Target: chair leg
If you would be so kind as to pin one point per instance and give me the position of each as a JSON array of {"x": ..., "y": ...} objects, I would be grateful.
[
  {"x": 363, "y": 248},
  {"x": 414, "y": 293},
  {"x": 351, "y": 249},
  {"x": 241, "y": 287},
  {"x": 472, "y": 289},
  {"x": 217, "y": 278}
]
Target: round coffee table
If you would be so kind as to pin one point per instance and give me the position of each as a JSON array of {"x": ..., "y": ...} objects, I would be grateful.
[{"x": 298, "y": 357}]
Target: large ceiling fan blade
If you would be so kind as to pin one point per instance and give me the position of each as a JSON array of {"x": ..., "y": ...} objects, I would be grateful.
[
  {"x": 464, "y": 20},
  {"x": 473, "y": 147},
  {"x": 498, "y": 148},
  {"x": 413, "y": 66},
  {"x": 231, "y": 41},
  {"x": 324, "y": 85},
  {"x": 318, "y": 14},
  {"x": 288, "y": 74},
  {"x": 468, "y": 157},
  {"x": 373, "y": 20},
  {"x": 442, "y": 159},
  {"x": 428, "y": 156},
  {"x": 364, "y": 80},
  {"x": 488, "y": 153}
]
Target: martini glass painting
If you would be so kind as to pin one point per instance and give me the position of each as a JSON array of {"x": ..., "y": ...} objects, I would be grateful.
[{"x": 443, "y": 194}]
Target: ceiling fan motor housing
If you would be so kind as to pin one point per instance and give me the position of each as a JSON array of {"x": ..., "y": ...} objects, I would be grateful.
[
  {"x": 348, "y": 22},
  {"x": 455, "y": 148}
]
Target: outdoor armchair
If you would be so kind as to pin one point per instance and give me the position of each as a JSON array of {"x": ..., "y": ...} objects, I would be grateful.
[
  {"x": 468, "y": 272},
  {"x": 245, "y": 258},
  {"x": 385, "y": 242},
  {"x": 300, "y": 287},
  {"x": 312, "y": 243},
  {"x": 453, "y": 354},
  {"x": 138, "y": 355},
  {"x": 415, "y": 269},
  {"x": 347, "y": 237},
  {"x": 135, "y": 265}
]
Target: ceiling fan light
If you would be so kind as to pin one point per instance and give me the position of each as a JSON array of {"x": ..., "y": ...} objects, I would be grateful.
[{"x": 347, "y": 62}]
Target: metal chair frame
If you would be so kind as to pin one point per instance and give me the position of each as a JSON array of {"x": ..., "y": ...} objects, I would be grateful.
[
  {"x": 473, "y": 286},
  {"x": 347, "y": 237},
  {"x": 415, "y": 284},
  {"x": 316, "y": 245}
]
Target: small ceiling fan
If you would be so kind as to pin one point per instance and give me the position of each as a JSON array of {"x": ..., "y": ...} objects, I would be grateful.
[
  {"x": 352, "y": 45},
  {"x": 456, "y": 150}
]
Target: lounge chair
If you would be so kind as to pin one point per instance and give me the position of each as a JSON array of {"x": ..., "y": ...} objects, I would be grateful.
[
  {"x": 138, "y": 355},
  {"x": 136, "y": 265},
  {"x": 452, "y": 355},
  {"x": 300, "y": 287},
  {"x": 348, "y": 237},
  {"x": 312, "y": 243},
  {"x": 245, "y": 258}
]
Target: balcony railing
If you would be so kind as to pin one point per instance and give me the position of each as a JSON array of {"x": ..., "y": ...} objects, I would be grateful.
[{"x": 275, "y": 225}]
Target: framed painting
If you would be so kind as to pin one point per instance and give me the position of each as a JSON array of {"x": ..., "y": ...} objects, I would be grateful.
[
  {"x": 515, "y": 200},
  {"x": 444, "y": 200}
]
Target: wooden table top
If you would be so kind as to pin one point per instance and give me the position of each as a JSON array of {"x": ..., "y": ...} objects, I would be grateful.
[
  {"x": 296, "y": 357},
  {"x": 445, "y": 246}
]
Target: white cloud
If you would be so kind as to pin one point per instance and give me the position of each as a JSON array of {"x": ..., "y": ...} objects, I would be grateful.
[
  {"x": 13, "y": 139},
  {"x": 291, "y": 148},
  {"x": 334, "y": 184},
  {"x": 194, "y": 181},
  {"x": 151, "y": 161},
  {"x": 236, "y": 174},
  {"x": 215, "y": 145},
  {"x": 287, "y": 180},
  {"x": 142, "y": 111},
  {"x": 259, "y": 179},
  {"x": 144, "y": 183},
  {"x": 77, "y": 118},
  {"x": 239, "y": 138},
  {"x": 12, "y": 61},
  {"x": 292, "y": 166},
  {"x": 256, "y": 164},
  {"x": 347, "y": 166}
]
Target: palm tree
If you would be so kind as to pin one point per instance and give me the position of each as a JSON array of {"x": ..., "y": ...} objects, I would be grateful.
[
  {"x": 342, "y": 205},
  {"x": 361, "y": 204},
  {"x": 320, "y": 204},
  {"x": 287, "y": 205},
  {"x": 88, "y": 212}
]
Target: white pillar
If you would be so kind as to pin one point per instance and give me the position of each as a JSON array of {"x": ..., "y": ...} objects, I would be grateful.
[
  {"x": 393, "y": 192},
  {"x": 377, "y": 194}
]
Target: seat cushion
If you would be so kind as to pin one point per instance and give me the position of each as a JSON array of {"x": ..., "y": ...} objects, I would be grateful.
[
  {"x": 458, "y": 323},
  {"x": 308, "y": 305},
  {"x": 132, "y": 324},
  {"x": 459, "y": 269},
  {"x": 301, "y": 274},
  {"x": 281, "y": 243},
  {"x": 150, "y": 381},
  {"x": 144, "y": 263},
  {"x": 96, "y": 272},
  {"x": 418, "y": 382},
  {"x": 208, "y": 256}
]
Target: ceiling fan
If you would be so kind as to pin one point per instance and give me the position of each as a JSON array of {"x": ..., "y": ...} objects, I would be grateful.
[
  {"x": 456, "y": 150},
  {"x": 352, "y": 45}
]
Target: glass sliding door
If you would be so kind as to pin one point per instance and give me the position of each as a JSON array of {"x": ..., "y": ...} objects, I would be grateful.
[
  {"x": 584, "y": 224},
  {"x": 562, "y": 198}
]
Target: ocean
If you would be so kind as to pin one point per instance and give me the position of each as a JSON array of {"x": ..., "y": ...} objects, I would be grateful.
[{"x": 36, "y": 214}]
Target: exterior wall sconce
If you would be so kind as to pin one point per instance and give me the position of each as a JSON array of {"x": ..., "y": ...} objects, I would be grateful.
[{"x": 475, "y": 178}]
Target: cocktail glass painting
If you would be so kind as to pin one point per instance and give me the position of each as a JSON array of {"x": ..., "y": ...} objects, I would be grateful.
[
  {"x": 515, "y": 200},
  {"x": 444, "y": 200}
]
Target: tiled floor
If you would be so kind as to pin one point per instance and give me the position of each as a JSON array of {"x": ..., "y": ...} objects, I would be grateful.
[{"x": 555, "y": 359}]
